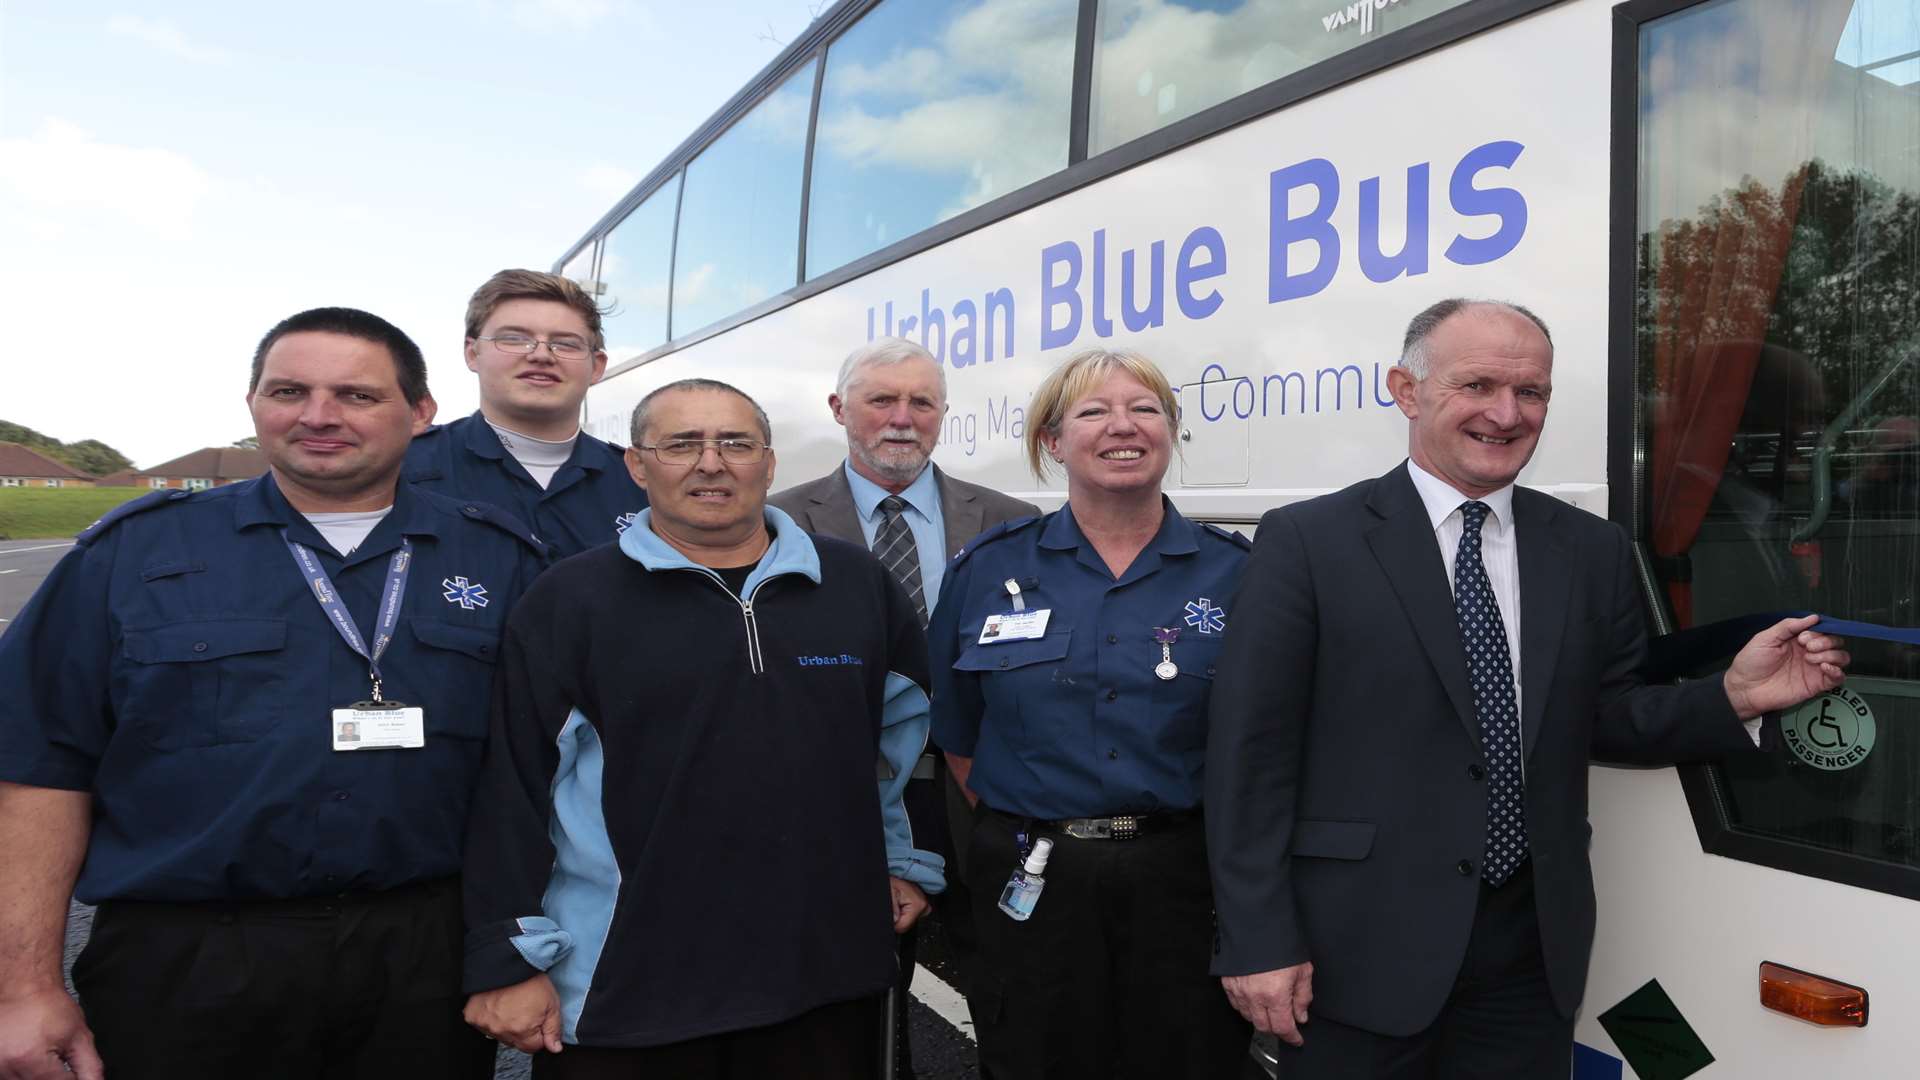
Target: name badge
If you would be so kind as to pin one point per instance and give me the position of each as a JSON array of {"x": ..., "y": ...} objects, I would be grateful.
[
  {"x": 386, "y": 725},
  {"x": 1014, "y": 626}
]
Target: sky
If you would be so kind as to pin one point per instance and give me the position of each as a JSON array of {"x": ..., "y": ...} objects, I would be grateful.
[{"x": 176, "y": 178}]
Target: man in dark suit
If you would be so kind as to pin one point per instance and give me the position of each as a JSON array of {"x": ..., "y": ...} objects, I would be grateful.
[
  {"x": 1397, "y": 827},
  {"x": 889, "y": 496}
]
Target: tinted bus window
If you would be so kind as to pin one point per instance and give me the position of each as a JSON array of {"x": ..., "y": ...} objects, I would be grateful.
[
  {"x": 635, "y": 269},
  {"x": 740, "y": 214},
  {"x": 929, "y": 109},
  {"x": 1157, "y": 61},
  {"x": 1778, "y": 364}
]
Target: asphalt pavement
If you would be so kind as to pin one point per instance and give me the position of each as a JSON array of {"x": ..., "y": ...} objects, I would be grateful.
[{"x": 941, "y": 1037}]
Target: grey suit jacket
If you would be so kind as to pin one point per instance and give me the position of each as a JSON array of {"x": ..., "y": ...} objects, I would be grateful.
[{"x": 825, "y": 507}]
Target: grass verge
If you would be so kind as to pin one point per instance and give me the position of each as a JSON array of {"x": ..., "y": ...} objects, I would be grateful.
[{"x": 56, "y": 513}]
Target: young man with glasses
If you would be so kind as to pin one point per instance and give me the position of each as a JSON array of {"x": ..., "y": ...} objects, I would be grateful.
[
  {"x": 679, "y": 808},
  {"x": 535, "y": 341}
]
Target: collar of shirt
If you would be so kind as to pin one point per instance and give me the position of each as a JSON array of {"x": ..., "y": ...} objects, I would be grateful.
[
  {"x": 481, "y": 438},
  {"x": 1175, "y": 537},
  {"x": 791, "y": 552},
  {"x": 1442, "y": 501},
  {"x": 264, "y": 504},
  {"x": 922, "y": 496}
]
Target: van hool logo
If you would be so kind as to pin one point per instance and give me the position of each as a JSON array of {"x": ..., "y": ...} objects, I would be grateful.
[
  {"x": 1833, "y": 731},
  {"x": 1361, "y": 13}
]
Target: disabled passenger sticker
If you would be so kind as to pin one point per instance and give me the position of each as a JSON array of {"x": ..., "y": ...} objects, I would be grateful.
[{"x": 1833, "y": 731}]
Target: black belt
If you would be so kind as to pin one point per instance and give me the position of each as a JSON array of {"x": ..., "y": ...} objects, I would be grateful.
[{"x": 1115, "y": 827}]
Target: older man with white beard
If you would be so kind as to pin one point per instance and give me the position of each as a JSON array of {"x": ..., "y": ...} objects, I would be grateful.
[{"x": 892, "y": 399}]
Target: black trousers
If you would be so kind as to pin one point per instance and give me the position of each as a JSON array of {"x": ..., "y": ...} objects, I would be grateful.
[
  {"x": 834, "y": 1042},
  {"x": 1108, "y": 980},
  {"x": 363, "y": 987},
  {"x": 1499, "y": 1022}
]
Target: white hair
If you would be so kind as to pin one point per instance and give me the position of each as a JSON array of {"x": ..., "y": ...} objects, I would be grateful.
[{"x": 883, "y": 351}]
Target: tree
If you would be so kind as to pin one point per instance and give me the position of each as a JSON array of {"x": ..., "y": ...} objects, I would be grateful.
[{"x": 90, "y": 456}]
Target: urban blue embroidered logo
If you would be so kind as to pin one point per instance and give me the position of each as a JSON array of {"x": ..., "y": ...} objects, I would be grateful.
[
  {"x": 828, "y": 661},
  {"x": 1204, "y": 617},
  {"x": 623, "y": 522},
  {"x": 467, "y": 595},
  {"x": 323, "y": 589}
]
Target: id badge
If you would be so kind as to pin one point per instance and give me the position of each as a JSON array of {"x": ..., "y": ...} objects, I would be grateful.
[
  {"x": 1014, "y": 626},
  {"x": 386, "y": 725}
]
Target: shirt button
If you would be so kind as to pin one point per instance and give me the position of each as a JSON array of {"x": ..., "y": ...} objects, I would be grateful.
[
  {"x": 1112, "y": 754},
  {"x": 1113, "y": 695},
  {"x": 1003, "y": 661},
  {"x": 199, "y": 646},
  {"x": 1475, "y": 772},
  {"x": 1465, "y": 866},
  {"x": 1113, "y": 639}
]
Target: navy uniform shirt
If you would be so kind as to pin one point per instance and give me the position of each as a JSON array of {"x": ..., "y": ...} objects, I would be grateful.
[
  {"x": 1075, "y": 723},
  {"x": 590, "y": 501},
  {"x": 177, "y": 665}
]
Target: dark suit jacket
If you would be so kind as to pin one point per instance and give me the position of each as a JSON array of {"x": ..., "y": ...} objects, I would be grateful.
[
  {"x": 825, "y": 507},
  {"x": 1346, "y": 799}
]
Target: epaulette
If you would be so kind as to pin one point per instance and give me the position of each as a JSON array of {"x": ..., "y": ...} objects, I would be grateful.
[
  {"x": 1228, "y": 534},
  {"x": 475, "y": 510},
  {"x": 1005, "y": 528},
  {"x": 126, "y": 510}
]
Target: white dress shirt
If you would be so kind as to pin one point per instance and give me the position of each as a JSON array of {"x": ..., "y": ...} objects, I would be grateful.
[{"x": 1499, "y": 549}]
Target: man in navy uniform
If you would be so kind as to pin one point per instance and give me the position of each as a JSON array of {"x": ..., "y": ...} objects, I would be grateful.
[
  {"x": 246, "y": 723},
  {"x": 535, "y": 341}
]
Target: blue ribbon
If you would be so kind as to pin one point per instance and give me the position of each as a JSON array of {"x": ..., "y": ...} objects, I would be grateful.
[
  {"x": 1686, "y": 651},
  {"x": 336, "y": 609}
]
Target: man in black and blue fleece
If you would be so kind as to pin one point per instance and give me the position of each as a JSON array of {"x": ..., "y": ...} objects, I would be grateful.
[{"x": 679, "y": 863}]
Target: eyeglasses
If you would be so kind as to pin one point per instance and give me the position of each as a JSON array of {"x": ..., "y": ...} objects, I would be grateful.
[
  {"x": 522, "y": 345},
  {"x": 688, "y": 451}
]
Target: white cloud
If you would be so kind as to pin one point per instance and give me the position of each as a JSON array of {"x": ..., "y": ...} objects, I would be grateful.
[
  {"x": 166, "y": 37},
  {"x": 611, "y": 181},
  {"x": 62, "y": 167},
  {"x": 570, "y": 14}
]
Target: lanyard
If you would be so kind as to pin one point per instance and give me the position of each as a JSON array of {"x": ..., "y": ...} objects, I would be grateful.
[{"x": 336, "y": 609}]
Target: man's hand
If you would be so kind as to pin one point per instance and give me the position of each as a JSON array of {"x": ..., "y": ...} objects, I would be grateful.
[
  {"x": 525, "y": 1016},
  {"x": 909, "y": 903},
  {"x": 1784, "y": 665},
  {"x": 1274, "y": 1002},
  {"x": 42, "y": 1035}
]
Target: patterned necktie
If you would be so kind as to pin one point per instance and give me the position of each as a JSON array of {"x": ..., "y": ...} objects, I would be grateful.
[
  {"x": 1490, "y": 668},
  {"x": 894, "y": 546}
]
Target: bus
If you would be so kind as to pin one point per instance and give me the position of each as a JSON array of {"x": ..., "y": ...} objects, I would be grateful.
[{"x": 1715, "y": 204}]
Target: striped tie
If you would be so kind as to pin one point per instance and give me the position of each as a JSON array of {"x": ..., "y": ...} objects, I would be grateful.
[
  {"x": 895, "y": 548},
  {"x": 1490, "y": 668}
]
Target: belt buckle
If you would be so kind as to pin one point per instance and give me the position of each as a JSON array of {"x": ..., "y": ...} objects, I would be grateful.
[{"x": 1125, "y": 827}]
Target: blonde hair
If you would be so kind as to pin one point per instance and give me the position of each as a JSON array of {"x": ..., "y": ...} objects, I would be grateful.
[{"x": 1076, "y": 378}]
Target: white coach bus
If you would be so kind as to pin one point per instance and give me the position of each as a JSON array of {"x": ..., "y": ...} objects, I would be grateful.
[{"x": 1715, "y": 206}]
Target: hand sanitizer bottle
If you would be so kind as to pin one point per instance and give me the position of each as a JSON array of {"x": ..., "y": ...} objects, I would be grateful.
[{"x": 1023, "y": 888}]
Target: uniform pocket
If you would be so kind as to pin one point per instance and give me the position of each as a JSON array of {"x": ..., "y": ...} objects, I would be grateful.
[
  {"x": 1014, "y": 677},
  {"x": 1180, "y": 703},
  {"x": 206, "y": 682},
  {"x": 455, "y": 657}
]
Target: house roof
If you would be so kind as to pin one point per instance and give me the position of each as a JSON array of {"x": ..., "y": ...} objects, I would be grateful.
[
  {"x": 17, "y": 460},
  {"x": 213, "y": 463}
]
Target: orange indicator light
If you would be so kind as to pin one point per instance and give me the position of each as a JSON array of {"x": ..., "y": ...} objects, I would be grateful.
[{"x": 1809, "y": 997}]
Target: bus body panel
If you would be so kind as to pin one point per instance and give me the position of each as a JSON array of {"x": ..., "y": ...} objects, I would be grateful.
[{"x": 1255, "y": 437}]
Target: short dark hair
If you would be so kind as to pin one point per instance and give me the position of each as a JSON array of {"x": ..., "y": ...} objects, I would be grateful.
[
  {"x": 638, "y": 429},
  {"x": 1413, "y": 348},
  {"x": 533, "y": 285},
  {"x": 409, "y": 366}
]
